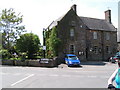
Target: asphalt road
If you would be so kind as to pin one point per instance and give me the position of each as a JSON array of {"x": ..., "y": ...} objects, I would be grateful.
[{"x": 87, "y": 76}]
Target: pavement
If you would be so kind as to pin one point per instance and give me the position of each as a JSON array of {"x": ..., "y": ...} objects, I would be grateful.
[{"x": 92, "y": 63}]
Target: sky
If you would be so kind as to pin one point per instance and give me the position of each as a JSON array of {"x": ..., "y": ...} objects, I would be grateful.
[{"x": 38, "y": 14}]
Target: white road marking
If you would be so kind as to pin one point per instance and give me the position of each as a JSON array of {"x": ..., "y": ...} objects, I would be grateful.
[
  {"x": 54, "y": 75},
  {"x": 76, "y": 76},
  {"x": 16, "y": 74},
  {"x": 92, "y": 76},
  {"x": 66, "y": 75},
  {"x": 22, "y": 79},
  {"x": 76, "y": 68}
]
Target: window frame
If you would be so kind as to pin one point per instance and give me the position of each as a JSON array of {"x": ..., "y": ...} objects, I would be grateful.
[
  {"x": 107, "y": 36},
  {"x": 95, "y": 49},
  {"x": 72, "y": 49},
  {"x": 95, "y": 35},
  {"x": 107, "y": 49},
  {"x": 72, "y": 32}
]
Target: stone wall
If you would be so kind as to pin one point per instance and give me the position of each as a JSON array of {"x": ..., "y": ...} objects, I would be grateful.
[
  {"x": 34, "y": 63},
  {"x": 71, "y": 20},
  {"x": 101, "y": 43}
]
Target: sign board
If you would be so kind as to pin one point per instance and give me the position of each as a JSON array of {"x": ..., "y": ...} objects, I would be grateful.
[
  {"x": 44, "y": 60},
  {"x": 44, "y": 47}
]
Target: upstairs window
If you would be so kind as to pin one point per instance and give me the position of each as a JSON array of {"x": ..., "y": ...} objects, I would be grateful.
[
  {"x": 94, "y": 35},
  {"x": 107, "y": 36},
  {"x": 72, "y": 32}
]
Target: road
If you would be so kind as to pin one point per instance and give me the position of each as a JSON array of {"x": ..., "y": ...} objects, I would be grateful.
[{"x": 87, "y": 76}]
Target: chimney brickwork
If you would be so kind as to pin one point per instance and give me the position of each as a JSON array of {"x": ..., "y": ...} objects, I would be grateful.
[
  {"x": 108, "y": 16},
  {"x": 74, "y": 7}
]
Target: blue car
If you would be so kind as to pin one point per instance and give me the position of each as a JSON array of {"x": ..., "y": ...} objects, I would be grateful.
[{"x": 72, "y": 60}]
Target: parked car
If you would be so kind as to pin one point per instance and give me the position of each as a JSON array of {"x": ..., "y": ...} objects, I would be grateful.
[
  {"x": 114, "y": 58},
  {"x": 72, "y": 60},
  {"x": 118, "y": 53}
]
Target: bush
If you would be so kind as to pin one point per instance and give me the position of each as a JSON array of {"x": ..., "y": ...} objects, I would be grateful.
[
  {"x": 5, "y": 54},
  {"x": 15, "y": 58}
]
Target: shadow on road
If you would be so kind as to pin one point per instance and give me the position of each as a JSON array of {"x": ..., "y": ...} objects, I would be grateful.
[
  {"x": 96, "y": 63},
  {"x": 91, "y": 63},
  {"x": 76, "y": 66}
]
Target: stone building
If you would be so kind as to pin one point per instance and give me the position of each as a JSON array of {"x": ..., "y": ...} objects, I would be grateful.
[{"x": 88, "y": 38}]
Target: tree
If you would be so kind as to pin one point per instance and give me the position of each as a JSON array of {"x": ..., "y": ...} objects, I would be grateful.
[
  {"x": 28, "y": 43},
  {"x": 0, "y": 44},
  {"x": 53, "y": 43},
  {"x": 10, "y": 27},
  {"x": 0, "y": 38}
]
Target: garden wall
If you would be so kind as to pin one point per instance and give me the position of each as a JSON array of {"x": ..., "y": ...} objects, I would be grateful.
[{"x": 34, "y": 63}]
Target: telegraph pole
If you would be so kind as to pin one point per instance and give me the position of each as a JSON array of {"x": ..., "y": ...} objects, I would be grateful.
[{"x": 44, "y": 44}]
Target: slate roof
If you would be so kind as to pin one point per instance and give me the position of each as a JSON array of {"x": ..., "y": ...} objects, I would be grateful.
[
  {"x": 55, "y": 23},
  {"x": 97, "y": 24},
  {"x": 91, "y": 23}
]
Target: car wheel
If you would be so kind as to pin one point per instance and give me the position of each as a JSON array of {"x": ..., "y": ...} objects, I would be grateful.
[{"x": 68, "y": 65}]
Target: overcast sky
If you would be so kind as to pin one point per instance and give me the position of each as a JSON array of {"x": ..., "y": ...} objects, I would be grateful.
[{"x": 38, "y": 14}]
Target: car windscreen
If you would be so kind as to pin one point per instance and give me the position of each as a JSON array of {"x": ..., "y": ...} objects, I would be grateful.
[
  {"x": 72, "y": 57},
  {"x": 118, "y": 53}
]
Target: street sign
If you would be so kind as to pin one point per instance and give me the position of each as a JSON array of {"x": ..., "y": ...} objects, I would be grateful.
[{"x": 44, "y": 47}]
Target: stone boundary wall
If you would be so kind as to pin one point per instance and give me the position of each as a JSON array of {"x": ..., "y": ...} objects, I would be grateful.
[{"x": 34, "y": 63}]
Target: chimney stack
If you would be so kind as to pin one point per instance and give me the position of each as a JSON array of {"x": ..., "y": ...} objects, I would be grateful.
[
  {"x": 108, "y": 16},
  {"x": 74, "y": 8}
]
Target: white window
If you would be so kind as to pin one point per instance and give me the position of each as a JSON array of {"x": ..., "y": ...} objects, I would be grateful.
[
  {"x": 81, "y": 26},
  {"x": 72, "y": 49},
  {"x": 107, "y": 36},
  {"x": 72, "y": 32},
  {"x": 94, "y": 35}
]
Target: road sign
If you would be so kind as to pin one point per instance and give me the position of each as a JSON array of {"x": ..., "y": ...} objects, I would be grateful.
[{"x": 44, "y": 47}]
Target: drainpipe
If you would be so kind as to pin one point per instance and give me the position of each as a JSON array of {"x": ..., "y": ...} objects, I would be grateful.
[{"x": 102, "y": 44}]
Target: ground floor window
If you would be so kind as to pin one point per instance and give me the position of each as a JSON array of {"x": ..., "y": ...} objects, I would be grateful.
[
  {"x": 95, "y": 49},
  {"x": 107, "y": 49},
  {"x": 72, "y": 49}
]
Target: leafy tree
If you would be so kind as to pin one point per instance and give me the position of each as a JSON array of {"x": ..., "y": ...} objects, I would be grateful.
[
  {"x": 53, "y": 43},
  {"x": 10, "y": 26},
  {"x": 0, "y": 44},
  {"x": 4, "y": 54},
  {"x": 28, "y": 43},
  {"x": 0, "y": 39}
]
